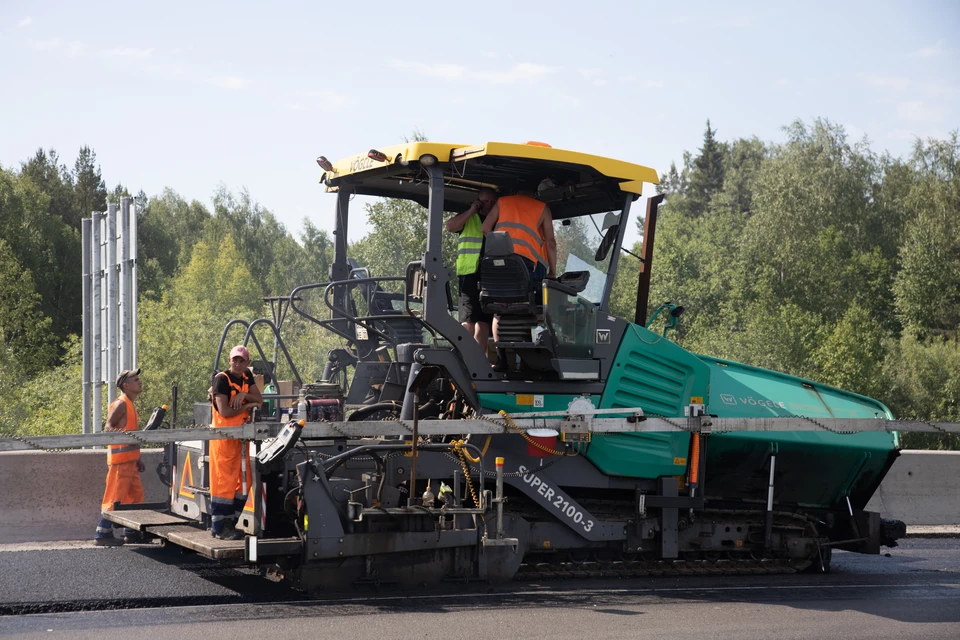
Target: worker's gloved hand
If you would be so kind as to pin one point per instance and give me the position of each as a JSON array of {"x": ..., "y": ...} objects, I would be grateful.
[{"x": 140, "y": 466}]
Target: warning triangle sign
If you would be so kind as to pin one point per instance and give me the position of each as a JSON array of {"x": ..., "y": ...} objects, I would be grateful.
[{"x": 187, "y": 471}]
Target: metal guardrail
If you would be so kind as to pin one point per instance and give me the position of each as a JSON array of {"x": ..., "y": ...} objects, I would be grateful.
[{"x": 581, "y": 422}]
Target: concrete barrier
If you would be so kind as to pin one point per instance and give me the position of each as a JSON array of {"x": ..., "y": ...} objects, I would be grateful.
[
  {"x": 922, "y": 488},
  {"x": 56, "y": 496}
]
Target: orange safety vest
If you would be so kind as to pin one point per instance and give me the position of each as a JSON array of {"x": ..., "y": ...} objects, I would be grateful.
[
  {"x": 117, "y": 453},
  {"x": 239, "y": 419},
  {"x": 519, "y": 216}
]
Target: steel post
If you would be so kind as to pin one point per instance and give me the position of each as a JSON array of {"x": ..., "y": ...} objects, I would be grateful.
[
  {"x": 96, "y": 319},
  {"x": 123, "y": 312},
  {"x": 112, "y": 306},
  {"x": 132, "y": 226},
  {"x": 87, "y": 315}
]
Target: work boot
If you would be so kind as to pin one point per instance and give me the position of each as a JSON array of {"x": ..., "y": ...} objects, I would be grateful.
[
  {"x": 134, "y": 537},
  {"x": 229, "y": 533},
  {"x": 108, "y": 541}
]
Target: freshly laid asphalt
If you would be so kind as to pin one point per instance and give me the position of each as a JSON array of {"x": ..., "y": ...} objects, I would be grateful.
[{"x": 78, "y": 591}]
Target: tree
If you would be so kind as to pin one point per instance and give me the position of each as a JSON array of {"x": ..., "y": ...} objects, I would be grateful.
[
  {"x": 24, "y": 330},
  {"x": 55, "y": 180},
  {"x": 927, "y": 289},
  {"x": 46, "y": 247},
  {"x": 90, "y": 191},
  {"x": 706, "y": 176}
]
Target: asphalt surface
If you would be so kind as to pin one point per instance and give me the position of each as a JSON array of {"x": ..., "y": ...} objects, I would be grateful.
[{"x": 145, "y": 591}]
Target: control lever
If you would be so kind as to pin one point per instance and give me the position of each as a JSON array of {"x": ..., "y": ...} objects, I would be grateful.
[
  {"x": 284, "y": 441},
  {"x": 156, "y": 418}
]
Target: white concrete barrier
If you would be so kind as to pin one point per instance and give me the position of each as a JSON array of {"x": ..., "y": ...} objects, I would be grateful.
[
  {"x": 56, "y": 496},
  {"x": 922, "y": 488}
]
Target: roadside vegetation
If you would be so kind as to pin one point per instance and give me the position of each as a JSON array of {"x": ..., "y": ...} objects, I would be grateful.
[{"x": 814, "y": 256}]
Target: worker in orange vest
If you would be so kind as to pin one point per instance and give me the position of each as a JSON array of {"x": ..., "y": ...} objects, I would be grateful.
[
  {"x": 529, "y": 223},
  {"x": 124, "y": 465},
  {"x": 234, "y": 394}
]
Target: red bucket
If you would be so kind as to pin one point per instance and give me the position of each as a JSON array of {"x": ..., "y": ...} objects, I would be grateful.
[{"x": 546, "y": 438}]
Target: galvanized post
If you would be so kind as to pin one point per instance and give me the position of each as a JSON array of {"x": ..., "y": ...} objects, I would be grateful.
[
  {"x": 112, "y": 310},
  {"x": 96, "y": 320},
  {"x": 123, "y": 312},
  {"x": 133, "y": 285},
  {"x": 87, "y": 315}
]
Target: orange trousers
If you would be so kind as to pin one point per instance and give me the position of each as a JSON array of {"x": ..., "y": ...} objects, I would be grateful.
[
  {"x": 227, "y": 494},
  {"x": 123, "y": 485}
]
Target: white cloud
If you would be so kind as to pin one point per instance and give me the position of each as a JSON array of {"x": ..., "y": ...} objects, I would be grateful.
[
  {"x": 781, "y": 82},
  {"x": 738, "y": 22},
  {"x": 166, "y": 69},
  {"x": 232, "y": 83},
  {"x": 128, "y": 52},
  {"x": 653, "y": 84},
  {"x": 928, "y": 52},
  {"x": 46, "y": 45},
  {"x": 523, "y": 72},
  {"x": 26, "y": 22},
  {"x": 319, "y": 100},
  {"x": 75, "y": 48},
  {"x": 896, "y": 83},
  {"x": 917, "y": 111},
  {"x": 439, "y": 70}
]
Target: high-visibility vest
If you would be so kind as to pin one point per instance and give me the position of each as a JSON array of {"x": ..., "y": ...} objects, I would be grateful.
[
  {"x": 117, "y": 453},
  {"x": 239, "y": 419},
  {"x": 519, "y": 216},
  {"x": 469, "y": 246}
]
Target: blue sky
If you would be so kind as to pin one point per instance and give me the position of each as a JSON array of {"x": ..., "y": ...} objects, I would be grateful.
[{"x": 248, "y": 94}]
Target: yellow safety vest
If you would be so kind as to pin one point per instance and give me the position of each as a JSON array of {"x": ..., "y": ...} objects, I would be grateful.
[{"x": 469, "y": 246}]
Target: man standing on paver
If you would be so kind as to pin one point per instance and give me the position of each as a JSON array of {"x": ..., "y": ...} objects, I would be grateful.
[{"x": 124, "y": 465}]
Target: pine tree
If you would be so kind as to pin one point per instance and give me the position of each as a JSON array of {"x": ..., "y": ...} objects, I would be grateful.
[
  {"x": 90, "y": 192},
  {"x": 706, "y": 176}
]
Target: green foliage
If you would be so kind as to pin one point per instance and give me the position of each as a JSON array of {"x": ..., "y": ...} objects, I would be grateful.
[
  {"x": 924, "y": 384},
  {"x": 24, "y": 330},
  {"x": 398, "y": 237},
  {"x": 45, "y": 246},
  {"x": 927, "y": 289},
  {"x": 90, "y": 192},
  {"x": 814, "y": 257}
]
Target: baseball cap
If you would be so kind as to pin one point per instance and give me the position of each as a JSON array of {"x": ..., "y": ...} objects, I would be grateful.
[
  {"x": 126, "y": 373},
  {"x": 239, "y": 350}
]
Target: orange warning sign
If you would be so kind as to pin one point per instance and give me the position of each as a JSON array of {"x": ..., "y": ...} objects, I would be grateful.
[{"x": 187, "y": 471}]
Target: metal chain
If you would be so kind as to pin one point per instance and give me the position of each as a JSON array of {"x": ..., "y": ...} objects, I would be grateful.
[{"x": 30, "y": 443}]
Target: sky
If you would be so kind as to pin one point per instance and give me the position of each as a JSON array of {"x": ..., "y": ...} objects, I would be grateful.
[{"x": 193, "y": 95}]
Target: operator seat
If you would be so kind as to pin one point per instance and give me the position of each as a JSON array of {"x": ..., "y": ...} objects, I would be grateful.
[{"x": 508, "y": 291}]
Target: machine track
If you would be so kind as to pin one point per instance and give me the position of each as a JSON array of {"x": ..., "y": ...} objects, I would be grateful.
[{"x": 642, "y": 568}]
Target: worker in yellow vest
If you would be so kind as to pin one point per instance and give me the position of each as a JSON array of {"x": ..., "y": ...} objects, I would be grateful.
[
  {"x": 234, "y": 394},
  {"x": 469, "y": 250},
  {"x": 124, "y": 465}
]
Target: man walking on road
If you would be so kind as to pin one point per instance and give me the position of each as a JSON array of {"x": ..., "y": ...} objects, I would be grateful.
[{"x": 124, "y": 465}]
